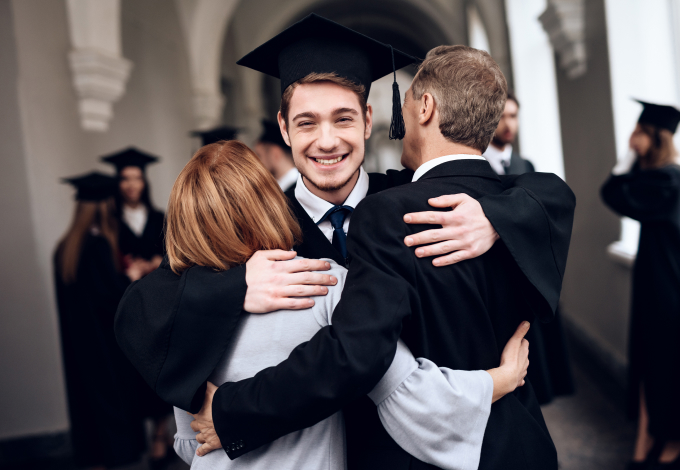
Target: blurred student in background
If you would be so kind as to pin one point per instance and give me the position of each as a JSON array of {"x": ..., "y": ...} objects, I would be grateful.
[
  {"x": 90, "y": 281},
  {"x": 276, "y": 155},
  {"x": 646, "y": 187},
  {"x": 141, "y": 243},
  {"x": 550, "y": 372}
]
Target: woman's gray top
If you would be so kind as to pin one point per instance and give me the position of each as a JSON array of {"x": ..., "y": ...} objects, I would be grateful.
[{"x": 438, "y": 415}]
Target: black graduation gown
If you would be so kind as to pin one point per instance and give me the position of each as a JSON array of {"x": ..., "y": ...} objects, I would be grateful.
[
  {"x": 653, "y": 198},
  {"x": 157, "y": 326},
  {"x": 550, "y": 371},
  {"x": 105, "y": 429},
  {"x": 150, "y": 243}
]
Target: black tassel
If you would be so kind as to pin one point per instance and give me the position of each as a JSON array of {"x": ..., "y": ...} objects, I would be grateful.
[{"x": 397, "y": 127}]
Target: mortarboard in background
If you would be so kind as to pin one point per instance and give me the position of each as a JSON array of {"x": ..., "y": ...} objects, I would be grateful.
[
  {"x": 215, "y": 135},
  {"x": 658, "y": 115},
  {"x": 130, "y": 157},
  {"x": 318, "y": 45},
  {"x": 93, "y": 186},
  {"x": 271, "y": 133}
]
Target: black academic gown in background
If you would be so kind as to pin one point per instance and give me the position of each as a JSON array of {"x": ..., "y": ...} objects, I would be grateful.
[
  {"x": 550, "y": 371},
  {"x": 653, "y": 198},
  {"x": 157, "y": 326},
  {"x": 105, "y": 428},
  {"x": 149, "y": 244}
]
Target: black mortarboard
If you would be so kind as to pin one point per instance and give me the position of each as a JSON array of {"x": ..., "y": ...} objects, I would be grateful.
[
  {"x": 215, "y": 135},
  {"x": 93, "y": 186},
  {"x": 130, "y": 157},
  {"x": 316, "y": 44},
  {"x": 271, "y": 133},
  {"x": 661, "y": 116}
]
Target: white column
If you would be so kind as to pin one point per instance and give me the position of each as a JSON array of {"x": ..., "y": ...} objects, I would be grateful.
[
  {"x": 643, "y": 64},
  {"x": 99, "y": 70},
  {"x": 533, "y": 67}
]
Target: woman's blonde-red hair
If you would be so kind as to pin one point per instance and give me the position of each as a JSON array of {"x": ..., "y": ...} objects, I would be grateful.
[{"x": 225, "y": 206}]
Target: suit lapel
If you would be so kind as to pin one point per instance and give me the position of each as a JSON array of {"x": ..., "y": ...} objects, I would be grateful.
[{"x": 314, "y": 242}]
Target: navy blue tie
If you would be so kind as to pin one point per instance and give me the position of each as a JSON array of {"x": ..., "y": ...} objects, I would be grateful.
[{"x": 337, "y": 215}]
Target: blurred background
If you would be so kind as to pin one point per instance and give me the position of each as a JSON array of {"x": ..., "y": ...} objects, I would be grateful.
[{"x": 85, "y": 78}]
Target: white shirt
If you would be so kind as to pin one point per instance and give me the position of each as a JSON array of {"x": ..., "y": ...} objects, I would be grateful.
[
  {"x": 135, "y": 218},
  {"x": 287, "y": 180},
  {"x": 428, "y": 165},
  {"x": 497, "y": 158},
  {"x": 316, "y": 207}
]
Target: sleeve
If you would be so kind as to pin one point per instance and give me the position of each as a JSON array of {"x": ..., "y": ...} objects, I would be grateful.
[
  {"x": 644, "y": 195},
  {"x": 165, "y": 322},
  {"x": 185, "y": 439},
  {"x": 534, "y": 218},
  {"x": 341, "y": 362},
  {"x": 437, "y": 415}
]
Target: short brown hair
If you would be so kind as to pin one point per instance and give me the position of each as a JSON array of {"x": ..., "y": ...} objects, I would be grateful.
[
  {"x": 332, "y": 77},
  {"x": 224, "y": 206},
  {"x": 469, "y": 90},
  {"x": 662, "y": 151}
]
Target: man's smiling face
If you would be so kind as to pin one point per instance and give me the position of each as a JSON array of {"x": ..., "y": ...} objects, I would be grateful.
[{"x": 327, "y": 132}]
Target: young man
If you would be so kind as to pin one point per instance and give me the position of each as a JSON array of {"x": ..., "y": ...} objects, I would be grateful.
[
  {"x": 276, "y": 156},
  {"x": 156, "y": 320},
  {"x": 550, "y": 372}
]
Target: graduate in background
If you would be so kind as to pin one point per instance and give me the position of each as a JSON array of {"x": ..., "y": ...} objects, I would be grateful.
[
  {"x": 141, "y": 225},
  {"x": 141, "y": 243},
  {"x": 89, "y": 283},
  {"x": 650, "y": 193},
  {"x": 550, "y": 371},
  {"x": 276, "y": 155}
]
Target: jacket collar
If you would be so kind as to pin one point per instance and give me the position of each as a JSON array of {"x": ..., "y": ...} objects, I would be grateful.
[{"x": 480, "y": 168}]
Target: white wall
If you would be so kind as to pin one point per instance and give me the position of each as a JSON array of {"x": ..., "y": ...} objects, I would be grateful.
[
  {"x": 155, "y": 114},
  {"x": 535, "y": 86}
]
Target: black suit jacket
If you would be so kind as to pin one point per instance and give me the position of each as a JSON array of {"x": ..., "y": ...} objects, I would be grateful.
[
  {"x": 460, "y": 317},
  {"x": 165, "y": 321}
]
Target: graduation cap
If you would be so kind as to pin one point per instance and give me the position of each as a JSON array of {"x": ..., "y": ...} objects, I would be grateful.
[
  {"x": 316, "y": 44},
  {"x": 93, "y": 186},
  {"x": 271, "y": 133},
  {"x": 130, "y": 157},
  {"x": 215, "y": 135},
  {"x": 658, "y": 115}
]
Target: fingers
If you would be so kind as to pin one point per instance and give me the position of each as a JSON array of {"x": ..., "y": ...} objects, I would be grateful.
[
  {"x": 207, "y": 448},
  {"x": 302, "y": 265},
  {"x": 275, "y": 255},
  {"x": 292, "y": 304},
  {"x": 431, "y": 236},
  {"x": 310, "y": 279},
  {"x": 453, "y": 258},
  {"x": 304, "y": 291},
  {"x": 451, "y": 200},
  {"x": 194, "y": 425},
  {"x": 522, "y": 330},
  {"x": 429, "y": 217}
]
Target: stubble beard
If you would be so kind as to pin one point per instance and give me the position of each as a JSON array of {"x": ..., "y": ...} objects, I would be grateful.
[{"x": 330, "y": 187}]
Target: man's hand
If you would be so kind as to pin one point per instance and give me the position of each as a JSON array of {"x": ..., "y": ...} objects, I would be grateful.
[
  {"x": 203, "y": 424},
  {"x": 514, "y": 364},
  {"x": 466, "y": 233},
  {"x": 276, "y": 281}
]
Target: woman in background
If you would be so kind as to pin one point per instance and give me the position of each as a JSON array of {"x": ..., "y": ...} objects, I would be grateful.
[
  {"x": 89, "y": 283},
  {"x": 141, "y": 242},
  {"x": 650, "y": 193}
]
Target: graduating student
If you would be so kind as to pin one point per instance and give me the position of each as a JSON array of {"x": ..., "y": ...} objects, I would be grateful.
[
  {"x": 140, "y": 243},
  {"x": 276, "y": 155},
  {"x": 329, "y": 155},
  {"x": 646, "y": 187},
  {"x": 105, "y": 430},
  {"x": 550, "y": 372},
  {"x": 141, "y": 225}
]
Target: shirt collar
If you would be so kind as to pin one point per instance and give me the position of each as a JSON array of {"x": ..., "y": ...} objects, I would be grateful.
[
  {"x": 497, "y": 157},
  {"x": 428, "y": 165},
  {"x": 287, "y": 180},
  {"x": 317, "y": 207}
]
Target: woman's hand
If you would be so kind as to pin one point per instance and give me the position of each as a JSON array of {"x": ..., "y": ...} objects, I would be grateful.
[
  {"x": 514, "y": 364},
  {"x": 204, "y": 426}
]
